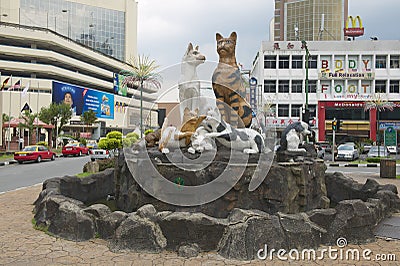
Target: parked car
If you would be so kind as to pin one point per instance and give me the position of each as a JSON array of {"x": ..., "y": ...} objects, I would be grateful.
[
  {"x": 392, "y": 149},
  {"x": 347, "y": 151},
  {"x": 91, "y": 144},
  {"x": 34, "y": 153},
  {"x": 366, "y": 147},
  {"x": 324, "y": 145},
  {"x": 75, "y": 148},
  {"x": 373, "y": 152},
  {"x": 99, "y": 154}
]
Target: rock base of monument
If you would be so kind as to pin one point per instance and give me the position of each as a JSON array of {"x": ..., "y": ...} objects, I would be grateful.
[{"x": 303, "y": 220}]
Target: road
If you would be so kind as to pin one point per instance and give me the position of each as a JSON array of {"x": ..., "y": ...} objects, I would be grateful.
[
  {"x": 22, "y": 175},
  {"x": 17, "y": 176}
]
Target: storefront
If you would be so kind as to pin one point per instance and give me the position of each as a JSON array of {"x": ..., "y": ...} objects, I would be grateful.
[{"x": 356, "y": 123}]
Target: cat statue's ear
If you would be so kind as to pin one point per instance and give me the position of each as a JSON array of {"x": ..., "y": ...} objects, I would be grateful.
[
  {"x": 218, "y": 36},
  {"x": 189, "y": 48},
  {"x": 233, "y": 36},
  {"x": 196, "y": 48}
]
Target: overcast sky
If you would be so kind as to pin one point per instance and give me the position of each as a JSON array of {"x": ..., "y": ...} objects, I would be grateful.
[{"x": 165, "y": 27}]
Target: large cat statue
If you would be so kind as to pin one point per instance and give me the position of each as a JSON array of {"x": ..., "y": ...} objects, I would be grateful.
[{"x": 228, "y": 86}]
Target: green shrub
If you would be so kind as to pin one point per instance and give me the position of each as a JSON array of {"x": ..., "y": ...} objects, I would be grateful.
[
  {"x": 114, "y": 135},
  {"x": 374, "y": 160},
  {"x": 83, "y": 141},
  {"x": 106, "y": 163},
  {"x": 110, "y": 144},
  {"x": 132, "y": 135},
  {"x": 148, "y": 131},
  {"x": 44, "y": 143}
]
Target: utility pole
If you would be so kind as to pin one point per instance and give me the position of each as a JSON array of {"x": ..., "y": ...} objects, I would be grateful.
[{"x": 306, "y": 116}]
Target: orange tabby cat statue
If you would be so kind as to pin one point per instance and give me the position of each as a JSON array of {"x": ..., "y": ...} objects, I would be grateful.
[{"x": 228, "y": 86}]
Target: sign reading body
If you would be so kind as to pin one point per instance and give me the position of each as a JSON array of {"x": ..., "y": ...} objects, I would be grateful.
[{"x": 83, "y": 99}]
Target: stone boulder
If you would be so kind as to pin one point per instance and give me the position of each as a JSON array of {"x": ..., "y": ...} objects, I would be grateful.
[
  {"x": 108, "y": 224},
  {"x": 185, "y": 228},
  {"x": 138, "y": 234},
  {"x": 354, "y": 220},
  {"x": 189, "y": 250},
  {"x": 248, "y": 231},
  {"x": 71, "y": 222}
]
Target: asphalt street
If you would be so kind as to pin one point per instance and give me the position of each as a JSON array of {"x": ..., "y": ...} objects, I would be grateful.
[{"x": 15, "y": 176}]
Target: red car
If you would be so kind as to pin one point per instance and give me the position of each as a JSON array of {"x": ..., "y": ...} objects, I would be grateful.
[
  {"x": 76, "y": 149},
  {"x": 34, "y": 153}
]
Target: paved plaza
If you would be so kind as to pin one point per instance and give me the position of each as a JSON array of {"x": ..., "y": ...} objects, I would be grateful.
[{"x": 21, "y": 244}]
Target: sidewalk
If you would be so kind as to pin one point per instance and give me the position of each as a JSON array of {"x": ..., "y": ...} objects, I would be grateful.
[{"x": 21, "y": 244}]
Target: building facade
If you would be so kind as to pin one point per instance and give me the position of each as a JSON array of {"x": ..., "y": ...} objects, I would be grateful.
[
  {"x": 106, "y": 26},
  {"x": 341, "y": 75},
  {"x": 310, "y": 20},
  {"x": 51, "y": 61}
]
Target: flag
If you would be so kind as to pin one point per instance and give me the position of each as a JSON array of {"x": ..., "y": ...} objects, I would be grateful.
[
  {"x": 17, "y": 85},
  {"x": 5, "y": 83},
  {"x": 25, "y": 91}
]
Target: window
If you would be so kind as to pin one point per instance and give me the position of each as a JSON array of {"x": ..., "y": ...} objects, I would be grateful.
[
  {"x": 297, "y": 86},
  {"x": 283, "y": 110},
  {"x": 296, "y": 109},
  {"x": 394, "y": 61},
  {"x": 283, "y": 86},
  {"x": 312, "y": 61},
  {"x": 283, "y": 61},
  {"x": 270, "y": 61},
  {"x": 312, "y": 86},
  {"x": 270, "y": 86},
  {"x": 380, "y": 61},
  {"x": 297, "y": 61},
  {"x": 380, "y": 86},
  {"x": 394, "y": 86}
]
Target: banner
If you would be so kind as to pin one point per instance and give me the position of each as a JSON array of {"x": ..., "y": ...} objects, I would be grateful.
[
  {"x": 83, "y": 99},
  {"x": 118, "y": 88}
]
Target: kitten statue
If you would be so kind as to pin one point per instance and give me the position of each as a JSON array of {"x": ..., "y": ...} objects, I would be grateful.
[
  {"x": 228, "y": 86},
  {"x": 243, "y": 139}
]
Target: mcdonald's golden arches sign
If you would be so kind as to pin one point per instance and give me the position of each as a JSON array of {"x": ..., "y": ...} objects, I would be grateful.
[{"x": 353, "y": 31}]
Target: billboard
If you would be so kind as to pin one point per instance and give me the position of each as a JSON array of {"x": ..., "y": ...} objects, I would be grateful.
[{"x": 83, "y": 99}]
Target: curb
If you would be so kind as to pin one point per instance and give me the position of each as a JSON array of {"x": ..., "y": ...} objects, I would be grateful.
[
  {"x": 14, "y": 161},
  {"x": 8, "y": 162},
  {"x": 356, "y": 165}
]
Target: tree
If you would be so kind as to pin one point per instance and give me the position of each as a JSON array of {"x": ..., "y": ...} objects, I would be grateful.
[
  {"x": 141, "y": 72},
  {"x": 112, "y": 141},
  {"x": 29, "y": 123},
  {"x": 56, "y": 114},
  {"x": 88, "y": 118},
  {"x": 6, "y": 118}
]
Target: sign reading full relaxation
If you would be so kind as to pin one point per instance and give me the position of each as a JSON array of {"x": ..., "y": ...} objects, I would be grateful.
[{"x": 346, "y": 78}]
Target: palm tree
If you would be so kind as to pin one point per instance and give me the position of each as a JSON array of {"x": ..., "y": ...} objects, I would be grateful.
[
  {"x": 380, "y": 104},
  {"x": 142, "y": 70},
  {"x": 88, "y": 118},
  {"x": 29, "y": 123}
]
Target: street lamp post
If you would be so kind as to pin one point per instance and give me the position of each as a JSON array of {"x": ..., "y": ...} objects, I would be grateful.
[
  {"x": 141, "y": 108},
  {"x": 306, "y": 116}
]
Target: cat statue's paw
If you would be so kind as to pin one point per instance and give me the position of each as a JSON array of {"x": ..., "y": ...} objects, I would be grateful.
[
  {"x": 249, "y": 151},
  {"x": 165, "y": 150},
  {"x": 191, "y": 150}
]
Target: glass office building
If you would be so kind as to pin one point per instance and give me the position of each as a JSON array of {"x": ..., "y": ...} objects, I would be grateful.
[
  {"x": 101, "y": 28},
  {"x": 310, "y": 20}
]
